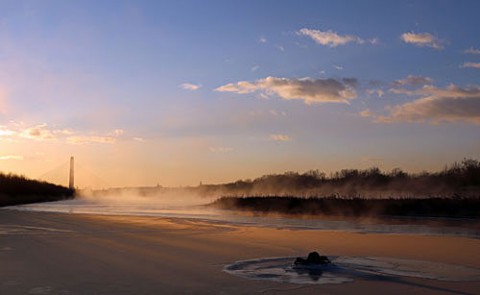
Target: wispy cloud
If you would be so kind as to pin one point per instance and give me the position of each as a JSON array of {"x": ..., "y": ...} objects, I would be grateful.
[
  {"x": 422, "y": 40},
  {"x": 11, "y": 157},
  {"x": 262, "y": 40},
  {"x": 412, "y": 80},
  {"x": 90, "y": 139},
  {"x": 277, "y": 113},
  {"x": 83, "y": 139},
  {"x": 255, "y": 68},
  {"x": 472, "y": 50},
  {"x": 6, "y": 131},
  {"x": 377, "y": 92},
  {"x": 268, "y": 113},
  {"x": 475, "y": 65},
  {"x": 43, "y": 132},
  {"x": 280, "y": 137},
  {"x": 190, "y": 86},
  {"x": 435, "y": 105},
  {"x": 306, "y": 89},
  {"x": 330, "y": 38},
  {"x": 118, "y": 132},
  {"x": 367, "y": 114},
  {"x": 374, "y": 41}
]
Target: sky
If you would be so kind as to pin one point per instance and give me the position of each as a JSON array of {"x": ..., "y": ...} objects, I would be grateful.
[{"x": 181, "y": 92}]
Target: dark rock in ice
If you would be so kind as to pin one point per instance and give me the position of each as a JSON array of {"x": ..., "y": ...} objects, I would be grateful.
[{"x": 313, "y": 259}]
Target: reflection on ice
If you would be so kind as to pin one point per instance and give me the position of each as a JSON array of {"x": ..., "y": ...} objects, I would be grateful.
[
  {"x": 190, "y": 207},
  {"x": 348, "y": 269}
]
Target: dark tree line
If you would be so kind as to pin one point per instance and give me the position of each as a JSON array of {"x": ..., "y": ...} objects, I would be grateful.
[
  {"x": 15, "y": 190},
  {"x": 461, "y": 179}
]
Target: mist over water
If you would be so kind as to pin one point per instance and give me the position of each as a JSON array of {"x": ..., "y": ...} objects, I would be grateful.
[
  {"x": 128, "y": 202},
  {"x": 182, "y": 203}
]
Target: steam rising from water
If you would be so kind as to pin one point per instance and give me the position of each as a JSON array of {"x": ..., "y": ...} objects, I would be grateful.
[
  {"x": 185, "y": 203},
  {"x": 153, "y": 198},
  {"x": 146, "y": 202}
]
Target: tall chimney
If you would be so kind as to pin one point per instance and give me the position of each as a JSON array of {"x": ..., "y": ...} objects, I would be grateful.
[{"x": 71, "y": 184}]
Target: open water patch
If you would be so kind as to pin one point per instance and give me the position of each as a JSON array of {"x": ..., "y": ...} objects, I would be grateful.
[{"x": 345, "y": 269}]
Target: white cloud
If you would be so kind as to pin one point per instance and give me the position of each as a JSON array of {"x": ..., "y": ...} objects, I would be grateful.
[
  {"x": 262, "y": 40},
  {"x": 255, "y": 68},
  {"x": 338, "y": 67},
  {"x": 422, "y": 40},
  {"x": 377, "y": 92},
  {"x": 190, "y": 86},
  {"x": 280, "y": 137},
  {"x": 306, "y": 89},
  {"x": 435, "y": 105},
  {"x": 7, "y": 134},
  {"x": 329, "y": 38},
  {"x": 413, "y": 81},
  {"x": 472, "y": 50},
  {"x": 6, "y": 131},
  {"x": 11, "y": 157},
  {"x": 475, "y": 65}
]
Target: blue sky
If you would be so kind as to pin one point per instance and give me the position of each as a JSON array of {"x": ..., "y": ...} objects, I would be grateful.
[{"x": 177, "y": 92}]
